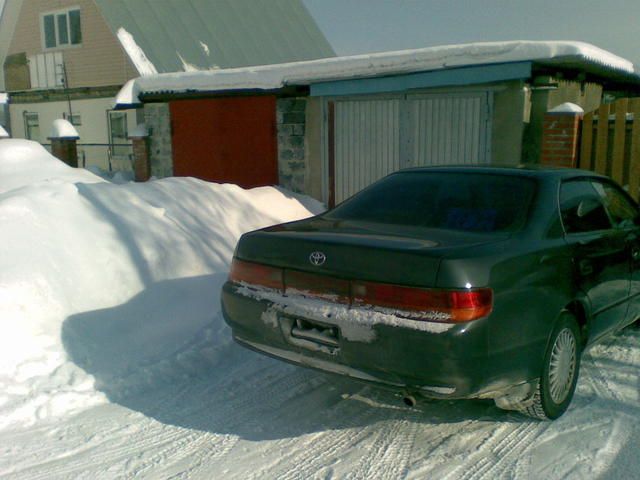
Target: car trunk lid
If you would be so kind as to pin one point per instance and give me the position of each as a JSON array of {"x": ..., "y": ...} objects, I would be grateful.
[{"x": 402, "y": 255}]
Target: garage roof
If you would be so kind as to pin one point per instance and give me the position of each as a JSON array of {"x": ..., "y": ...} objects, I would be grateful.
[{"x": 580, "y": 57}]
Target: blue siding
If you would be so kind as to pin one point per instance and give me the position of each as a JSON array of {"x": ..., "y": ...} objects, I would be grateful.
[{"x": 438, "y": 78}]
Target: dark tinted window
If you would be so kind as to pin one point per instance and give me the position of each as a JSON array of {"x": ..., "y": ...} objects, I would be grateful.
[
  {"x": 63, "y": 32},
  {"x": 49, "y": 31},
  {"x": 76, "y": 31},
  {"x": 621, "y": 209},
  {"x": 581, "y": 208},
  {"x": 453, "y": 201}
]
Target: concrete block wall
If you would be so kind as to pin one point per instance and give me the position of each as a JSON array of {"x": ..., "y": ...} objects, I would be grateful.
[
  {"x": 157, "y": 118},
  {"x": 291, "y": 125}
]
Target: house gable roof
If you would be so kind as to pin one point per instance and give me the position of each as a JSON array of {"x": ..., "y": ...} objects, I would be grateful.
[{"x": 194, "y": 35}]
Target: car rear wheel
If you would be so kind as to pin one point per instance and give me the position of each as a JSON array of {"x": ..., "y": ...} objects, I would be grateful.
[{"x": 560, "y": 371}]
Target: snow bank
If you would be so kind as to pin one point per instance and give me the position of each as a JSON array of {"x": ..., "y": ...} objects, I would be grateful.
[
  {"x": 26, "y": 163},
  {"x": 74, "y": 246}
]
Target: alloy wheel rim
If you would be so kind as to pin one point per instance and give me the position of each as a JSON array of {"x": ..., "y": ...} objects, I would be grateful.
[{"x": 562, "y": 365}]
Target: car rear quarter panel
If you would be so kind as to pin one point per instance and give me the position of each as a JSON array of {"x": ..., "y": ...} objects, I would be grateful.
[
  {"x": 531, "y": 285},
  {"x": 531, "y": 277}
]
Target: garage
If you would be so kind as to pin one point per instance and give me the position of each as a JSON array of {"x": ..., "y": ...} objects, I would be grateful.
[
  {"x": 369, "y": 137},
  {"x": 226, "y": 140}
]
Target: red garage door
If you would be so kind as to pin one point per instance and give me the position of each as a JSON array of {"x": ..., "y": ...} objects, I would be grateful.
[{"x": 230, "y": 140}]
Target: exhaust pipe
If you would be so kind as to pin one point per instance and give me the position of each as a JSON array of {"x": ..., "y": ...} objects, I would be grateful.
[{"x": 409, "y": 400}]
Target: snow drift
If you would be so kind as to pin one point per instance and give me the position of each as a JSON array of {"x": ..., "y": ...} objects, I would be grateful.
[{"x": 74, "y": 243}]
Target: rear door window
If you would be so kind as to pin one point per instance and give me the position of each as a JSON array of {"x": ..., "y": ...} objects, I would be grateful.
[{"x": 581, "y": 208}]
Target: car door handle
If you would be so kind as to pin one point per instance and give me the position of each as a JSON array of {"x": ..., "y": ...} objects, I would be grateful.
[{"x": 635, "y": 253}]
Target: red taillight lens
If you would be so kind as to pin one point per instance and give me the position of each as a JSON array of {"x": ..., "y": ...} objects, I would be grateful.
[
  {"x": 256, "y": 274},
  {"x": 419, "y": 303}
]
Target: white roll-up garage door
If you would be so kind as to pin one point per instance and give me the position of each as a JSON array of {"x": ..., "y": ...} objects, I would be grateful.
[
  {"x": 374, "y": 137},
  {"x": 367, "y": 143},
  {"x": 449, "y": 129}
]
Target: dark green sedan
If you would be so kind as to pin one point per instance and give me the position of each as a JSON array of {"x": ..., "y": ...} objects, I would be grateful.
[{"x": 447, "y": 282}]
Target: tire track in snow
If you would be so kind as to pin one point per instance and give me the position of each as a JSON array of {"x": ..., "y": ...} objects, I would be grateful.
[
  {"x": 391, "y": 449},
  {"x": 396, "y": 454},
  {"x": 315, "y": 454},
  {"x": 324, "y": 447},
  {"x": 247, "y": 412},
  {"x": 169, "y": 443},
  {"x": 508, "y": 455},
  {"x": 500, "y": 452},
  {"x": 110, "y": 452},
  {"x": 596, "y": 376}
]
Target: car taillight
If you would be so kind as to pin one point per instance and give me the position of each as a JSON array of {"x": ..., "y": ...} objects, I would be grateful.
[
  {"x": 256, "y": 274},
  {"x": 426, "y": 304}
]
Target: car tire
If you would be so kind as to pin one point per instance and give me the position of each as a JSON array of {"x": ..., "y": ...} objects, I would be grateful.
[{"x": 560, "y": 371}]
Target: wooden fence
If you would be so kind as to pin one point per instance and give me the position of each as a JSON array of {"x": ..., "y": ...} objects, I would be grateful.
[{"x": 610, "y": 142}]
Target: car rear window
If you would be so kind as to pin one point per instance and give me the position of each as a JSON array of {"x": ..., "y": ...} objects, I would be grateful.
[{"x": 471, "y": 202}]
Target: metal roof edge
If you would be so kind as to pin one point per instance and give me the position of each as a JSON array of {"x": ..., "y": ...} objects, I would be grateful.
[{"x": 458, "y": 76}]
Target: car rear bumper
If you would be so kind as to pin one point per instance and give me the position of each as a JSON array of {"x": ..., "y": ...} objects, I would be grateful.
[{"x": 435, "y": 360}]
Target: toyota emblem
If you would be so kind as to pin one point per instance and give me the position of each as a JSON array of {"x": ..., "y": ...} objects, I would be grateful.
[{"x": 317, "y": 258}]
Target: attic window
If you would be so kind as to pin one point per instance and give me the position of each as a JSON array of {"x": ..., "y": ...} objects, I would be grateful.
[{"x": 61, "y": 28}]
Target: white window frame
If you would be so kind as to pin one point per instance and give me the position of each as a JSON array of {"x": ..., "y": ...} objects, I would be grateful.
[
  {"x": 25, "y": 114},
  {"x": 55, "y": 14},
  {"x": 115, "y": 147},
  {"x": 75, "y": 118}
]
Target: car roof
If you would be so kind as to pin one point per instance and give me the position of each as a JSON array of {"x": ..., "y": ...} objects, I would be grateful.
[{"x": 528, "y": 170}]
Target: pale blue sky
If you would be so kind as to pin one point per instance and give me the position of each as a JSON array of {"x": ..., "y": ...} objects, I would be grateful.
[{"x": 357, "y": 26}]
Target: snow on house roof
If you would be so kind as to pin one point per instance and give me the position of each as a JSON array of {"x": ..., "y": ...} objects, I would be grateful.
[
  {"x": 271, "y": 77},
  {"x": 143, "y": 65}
]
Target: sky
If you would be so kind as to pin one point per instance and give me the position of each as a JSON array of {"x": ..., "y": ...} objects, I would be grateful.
[{"x": 359, "y": 26}]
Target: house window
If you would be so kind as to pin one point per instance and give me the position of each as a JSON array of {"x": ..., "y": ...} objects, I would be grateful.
[
  {"x": 75, "y": 118},
  {"x": 61, "y": 28},
  {"x": 118, "y": 137},
  {"x": 31, "y": 126}
]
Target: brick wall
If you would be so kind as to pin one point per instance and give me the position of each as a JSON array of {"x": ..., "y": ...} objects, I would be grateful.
[
  {"x": 141, "y": 164},
  {"x": 290, "y": 121},
  {"x": 158, "y": 120},
  {"x": 560, "y": 137},
  {"x": 65, "y": 149}
]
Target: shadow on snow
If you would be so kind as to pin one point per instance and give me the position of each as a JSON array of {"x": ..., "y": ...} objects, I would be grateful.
[{"x": 177, "y": 363}]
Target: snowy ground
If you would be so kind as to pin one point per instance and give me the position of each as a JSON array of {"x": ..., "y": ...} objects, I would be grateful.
[{"x": 116, "y": 363}]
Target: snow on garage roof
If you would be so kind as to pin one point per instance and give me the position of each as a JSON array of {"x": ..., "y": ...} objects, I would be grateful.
[{"x": 272, "y": 77}]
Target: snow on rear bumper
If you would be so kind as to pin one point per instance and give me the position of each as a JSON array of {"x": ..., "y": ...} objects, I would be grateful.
[{"x": 436, "y": 359}]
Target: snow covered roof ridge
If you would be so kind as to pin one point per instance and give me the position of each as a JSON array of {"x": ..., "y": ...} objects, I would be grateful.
[
  {"x": 270, "y": 77},
  {"x": 136, "y": 54}
]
